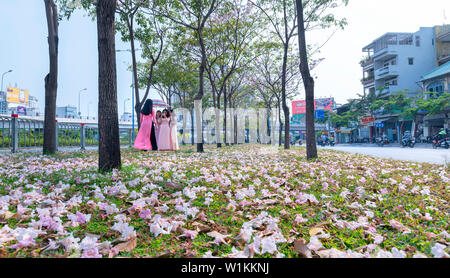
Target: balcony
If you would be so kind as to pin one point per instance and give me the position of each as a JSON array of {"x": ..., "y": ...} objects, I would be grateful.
[
  {"x": 386, "y": 72},
  {"x": 443, "y": 33},
  {"x": 366, "y": 62},
  {"x": 368, "y": 80}
]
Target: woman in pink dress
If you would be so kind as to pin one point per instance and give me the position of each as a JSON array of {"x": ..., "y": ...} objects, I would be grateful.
[
  {"x": 158, "y": 116},
  {"x": 144, "y": 137},
  {"x": 164, "y": 131}
]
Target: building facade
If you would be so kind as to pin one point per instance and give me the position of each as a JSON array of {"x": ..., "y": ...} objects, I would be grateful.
[
  {"x": 66, "y": 112},
  {"x": 437, "y": 82},
  {"x": 18, "y": 101},
  {"x": 396, "y": 62}
]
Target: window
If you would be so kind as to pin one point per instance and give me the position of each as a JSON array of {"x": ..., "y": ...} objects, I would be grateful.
[
  {"x": 391, "y": 82},
  {"x": 437, "y": 87},
  {"x": 411, "y": 61},
  {"x": 432, "y": 41},
  {"x": 417, "y": 41},
  {"x": 405, "y": 39}
]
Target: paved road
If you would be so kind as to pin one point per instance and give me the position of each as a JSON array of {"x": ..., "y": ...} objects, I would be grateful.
[{"x": 423, "y": 153}]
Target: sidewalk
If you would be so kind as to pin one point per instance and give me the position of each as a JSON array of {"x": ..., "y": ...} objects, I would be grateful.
[{"x": 391, "y": 145}]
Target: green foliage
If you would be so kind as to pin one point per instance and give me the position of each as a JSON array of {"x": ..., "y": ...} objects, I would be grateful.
[{"x": 433, "y": 104}]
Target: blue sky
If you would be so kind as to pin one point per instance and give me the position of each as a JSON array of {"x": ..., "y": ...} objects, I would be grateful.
[{"x": 24, "y": 48}]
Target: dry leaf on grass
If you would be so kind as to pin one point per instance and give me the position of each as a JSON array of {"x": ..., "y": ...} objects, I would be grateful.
[
  {"x": 3, "y": 253},
  {"x": 202, "y": 228},
  {"x": 301, "y": 248},
  {"x": 126, "y": 246},
  {"x": 172, "y": 185},
  {"x": 164, "y": 255},
  {"x": 314, "y": 231},
  {"x": 218, "y": 237}
]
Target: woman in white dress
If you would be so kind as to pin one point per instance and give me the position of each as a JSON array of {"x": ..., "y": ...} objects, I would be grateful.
[{"x": 173, "y": 131}]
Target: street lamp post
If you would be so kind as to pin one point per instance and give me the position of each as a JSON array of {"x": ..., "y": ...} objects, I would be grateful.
[
  {"x": 124, "y": 102},
  {"x": 79, "y": 107},
  {"x": 1, "y": 88}
]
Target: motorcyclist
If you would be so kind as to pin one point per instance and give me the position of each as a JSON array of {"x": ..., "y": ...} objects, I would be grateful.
[
  {"x": 441, "y": 134},
  {"x": 322, "y": 139}
]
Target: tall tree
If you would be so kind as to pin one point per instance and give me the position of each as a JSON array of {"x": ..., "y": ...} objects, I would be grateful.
[
  {"x": 192, "y": 15},
  {"x": 283, "y": 21},
  {"x": 306, "y": 20},
  {"x": 308, "y": 83},
  {"x": 230, "y": 36},
  {"x": 108, "y": 120},
  {"x": 51, "y": 80},
  {"x": 138, "y": 23}
]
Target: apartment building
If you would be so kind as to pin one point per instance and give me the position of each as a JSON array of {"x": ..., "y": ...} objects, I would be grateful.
[{"x": 396, "y": 62}]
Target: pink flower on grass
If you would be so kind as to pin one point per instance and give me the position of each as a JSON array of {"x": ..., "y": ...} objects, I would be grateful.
[
  {"x": 24, "y": 243},
  {"x": 145, "y": 214},
  {"x": 91, "y": 253},
  {"x": 189, "y": 234},
  {"x": 299, "y": 219}
]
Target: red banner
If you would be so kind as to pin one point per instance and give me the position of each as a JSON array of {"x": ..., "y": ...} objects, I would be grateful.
[
  {"x": 299, "y": 107},
  {"x": 367, "y": 120}
]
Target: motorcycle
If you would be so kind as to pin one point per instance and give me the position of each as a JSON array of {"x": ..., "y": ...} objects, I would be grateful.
[
  {"x": 441, "y": 142},
  {"x": 381, "y": 141},
  {"x": 408, "y": 140},
  {"x": 411, "y": 141}
]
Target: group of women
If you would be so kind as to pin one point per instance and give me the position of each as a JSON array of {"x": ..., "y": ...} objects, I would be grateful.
[{"x": 158, "y": 131}]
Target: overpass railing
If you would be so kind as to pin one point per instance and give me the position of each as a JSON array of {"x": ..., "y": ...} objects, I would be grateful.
[{"x": 26, "y": 133}]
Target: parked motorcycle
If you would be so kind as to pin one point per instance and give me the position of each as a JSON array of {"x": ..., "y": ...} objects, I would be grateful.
[
  {"x": 381, "y": 141},
  {"x": 408, "y": 140}
]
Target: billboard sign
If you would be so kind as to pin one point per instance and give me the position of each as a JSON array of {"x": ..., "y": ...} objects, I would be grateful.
[
  {"x": 299, "y": 106},
  {"x": 16, "y": 95},
  {"x": 367, "y": 120},
  {"x": 324, "y": 104},
  {"x": 21, "y": 110}
]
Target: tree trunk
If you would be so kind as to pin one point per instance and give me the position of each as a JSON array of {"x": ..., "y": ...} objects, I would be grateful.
[
  {"x": 51, "y": 80},
  {"x": 283, "y": 98},
  {"x": 200, "y": 82},
  {"x": 219, "y": 145},
  {"x": 225, "y": 118},
  {"x": 308, "y": 82},
  {"x": 108, "y": 122},
  {"x": 280, "y": 122},
  {"x": 138, "y": 103},
  {"x": 192, "y": 127}
]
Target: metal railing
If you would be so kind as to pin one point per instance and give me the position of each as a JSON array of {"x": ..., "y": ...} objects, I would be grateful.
[{"x": 25, "y": 133}]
